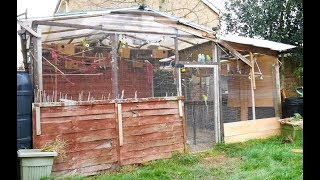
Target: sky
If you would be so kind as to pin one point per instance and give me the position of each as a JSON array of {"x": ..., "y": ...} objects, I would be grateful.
[
  {"x": 42, "y": 8},
  {"x": 35, "y": 8}
]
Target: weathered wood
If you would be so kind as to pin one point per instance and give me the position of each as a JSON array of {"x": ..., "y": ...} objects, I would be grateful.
[
  {"x": 149, "y": 105},
  {"x": 155, "y": 112},
  {"x": 152, "y": 136},
  {"x": 87, "y": 136},
  {"x": 92, "y": 133},
  {"x": 76, "y": 156},
  {"x": 151, "y": 128},
  {"x": 84, "y": 171},
  {"x": 147, "y": 158},
  {"x": 76, "y": 126},
  {"x": 253, "y": 87},
  {"x": 97, "y": 117},
  {"x": 120, "y": 125},
  {"x": 149, "y": 144},
  {"x": 117, "y": 143},
  {"x": 180, "y": 108},
  {"x": 114, "y": 40},
  {"x": 235, "y": 52},
  {"x": 277, "y": 103},
  {"x": 91, "y": 145},
  {"x": 38, "y": 119},
  {"x": 246, "y": 130},
  {"x": 96, "y": 160},
  {"x": 152, "y": 150},
  {"x": 78, "y": 111},
  {"x": 133, "y": 121},
  {"x": 103, "y": 28}
]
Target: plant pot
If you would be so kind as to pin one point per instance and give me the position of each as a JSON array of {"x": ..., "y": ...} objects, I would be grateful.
[
  {"x": 291, "y": 131},
  {"x": 35, "y": 164}
]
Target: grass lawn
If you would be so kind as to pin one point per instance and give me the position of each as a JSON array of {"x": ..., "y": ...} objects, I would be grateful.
[{"x": 255, "y": 159}]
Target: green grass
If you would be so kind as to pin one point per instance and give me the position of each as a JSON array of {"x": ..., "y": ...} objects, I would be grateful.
[{"x": 252, "y": 160}]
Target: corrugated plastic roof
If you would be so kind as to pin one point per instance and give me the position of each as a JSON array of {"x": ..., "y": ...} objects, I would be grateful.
[{"x": 276, "y": 46}]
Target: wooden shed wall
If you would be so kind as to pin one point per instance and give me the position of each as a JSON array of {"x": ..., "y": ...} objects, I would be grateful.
[{"x": 150, "y": 129}]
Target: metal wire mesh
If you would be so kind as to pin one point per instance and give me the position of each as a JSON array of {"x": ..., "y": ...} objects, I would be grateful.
[
  {"x": 83, "y": 73},
  {"x": 199, "y": 102},
  {"x": 236, "y": 90}
]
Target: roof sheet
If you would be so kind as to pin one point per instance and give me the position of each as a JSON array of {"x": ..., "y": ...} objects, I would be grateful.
[{"x": 276, "y": 46}]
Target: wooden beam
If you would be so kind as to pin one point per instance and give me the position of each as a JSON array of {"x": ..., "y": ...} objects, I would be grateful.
[
  {"x": 79, "y": 26},
  {"x": 114, "y": 38},
  {"x": 216, "y": 91},
  {"x": 277, "y": 104},
  {"x": 199, "y": 64},
  {"x": 31, "y": 31},
  {"x": 59, "y": 31},
  {"x": 187, "y": 41},
  {"x": 235, "y": 52},
  {"x": 37, "y": 58},
  {"x": 73, "y": 37},
  {"x": 178, "y": 71},
  {"x": 253, "y": 87}
]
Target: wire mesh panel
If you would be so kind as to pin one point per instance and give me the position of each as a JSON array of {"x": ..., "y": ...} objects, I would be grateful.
[
  {"x": 236, "y": 92},
  {"x": 197, "y": 88},
  {"x": 94, "y": 71}
]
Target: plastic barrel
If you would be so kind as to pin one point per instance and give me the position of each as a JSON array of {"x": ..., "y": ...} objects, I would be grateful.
[{"x": 292, "y": 105}]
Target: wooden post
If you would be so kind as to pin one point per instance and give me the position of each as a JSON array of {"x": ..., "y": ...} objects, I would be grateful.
[
  {"x": 216, "y": 89},
  {"x": 178, "y": 72},
  {"x": 253, "y": 87},
  {"x": 120, "y": 124},
  {"x": 243, "y": 98},
  {"x": 277, "y": 98},
  {"x": 37, "y": 59},
  {"x": 117, "y": 140},
  {"x": 38, "y": 121},
  {"x": 114, "y": 38}
]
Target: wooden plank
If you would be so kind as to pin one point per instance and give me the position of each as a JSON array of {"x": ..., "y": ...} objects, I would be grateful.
[
  {"x": 117, "y": 143},
  {"x": 152, "y": 128},
  {"x": 147, "y": 158},
  {"x": 84, "y": 171},
  {"x": 84, "y": 162},
  {"x": 85, "y": 136},
  {"x": 76, "y": 110},
  {"x": 76, "y": 126},
  {"x": 149, "y": 105},
  {"x": 277, "y": 103},
  {"x": 152, "y": 150},
  {"x": 89, "y": 117},
  {"x": 120, "y": 125},
  {"x": 253, "y": 135},
  {"x": 152, "y": 136},
  {"x": 153, "y": 143},
  {"x": 114, "y": 41},
  {"x": 244, "y": 127},
  {"x": 133, "y": 121},
  {"x": 180, "y": 108},
  {"x": 86, "y": 154},
  {"x": 91, "y": 145},
  {"x": 253, "y": 87},
  {"x": 155, "y": 112},
  {"x": 243, "y": 99},
  {"x": 38, "y": 124}
]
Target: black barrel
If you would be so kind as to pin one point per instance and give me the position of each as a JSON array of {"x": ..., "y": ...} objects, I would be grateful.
[
  {"x": 24, "y": 106},
  {"x": 292, "y": 105}
]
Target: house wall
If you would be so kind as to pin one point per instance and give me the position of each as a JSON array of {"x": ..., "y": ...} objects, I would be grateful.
[
  {"x": 103, "y": 135},
  {"x": 195, "y": 10}
]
